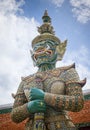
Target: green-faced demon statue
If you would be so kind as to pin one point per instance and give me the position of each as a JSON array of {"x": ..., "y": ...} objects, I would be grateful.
[{"x": 45, "y": 97}]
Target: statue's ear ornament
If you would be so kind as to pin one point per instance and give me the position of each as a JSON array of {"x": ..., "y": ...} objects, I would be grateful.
[{"x": 60, "y": 49}]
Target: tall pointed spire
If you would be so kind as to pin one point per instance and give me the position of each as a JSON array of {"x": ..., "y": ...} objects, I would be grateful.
[
  {"x": 46, "y": 26},
  {"x": 46, "y": 18},
  {"x": 46, "y": 31}
]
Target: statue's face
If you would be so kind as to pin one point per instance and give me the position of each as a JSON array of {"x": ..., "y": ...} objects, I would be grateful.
[{"x": 44, "y": 53}]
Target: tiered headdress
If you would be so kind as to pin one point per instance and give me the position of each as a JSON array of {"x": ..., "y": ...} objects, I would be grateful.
[{"x": 47, "y": 33}]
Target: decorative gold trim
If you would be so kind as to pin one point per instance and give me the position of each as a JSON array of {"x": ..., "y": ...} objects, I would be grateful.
[
  {"x": 56, "y": 118},
  {"x": 45, "y": 36},
  {"x": 82, "y": 82},
  {"x": 67, "y": 67},
  {"x": 54, "y": 72}
]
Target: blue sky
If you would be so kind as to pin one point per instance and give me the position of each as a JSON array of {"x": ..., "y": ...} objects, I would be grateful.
[{"x": 18, "y": 26}]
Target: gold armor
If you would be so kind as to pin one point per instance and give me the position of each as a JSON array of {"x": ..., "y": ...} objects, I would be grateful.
[
  {"x": 62, "y": 86},
  {"x": 65, "y": 86}
]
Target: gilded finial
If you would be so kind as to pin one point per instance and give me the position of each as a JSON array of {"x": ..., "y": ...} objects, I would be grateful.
[
  {"x": 46, "y": 26},
  {"x": 46, "y": 13},
  {"x": 46, "y": 17},
  {"x": 46, "y": 30}
]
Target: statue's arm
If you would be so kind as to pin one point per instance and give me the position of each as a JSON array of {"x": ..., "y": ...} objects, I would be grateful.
[
  {"x": 73, "y": 99},
  {"x": 19, "y": 111}
]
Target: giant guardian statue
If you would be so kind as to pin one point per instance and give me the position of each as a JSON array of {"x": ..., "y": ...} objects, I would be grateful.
[{"x": 45, "y": 97}]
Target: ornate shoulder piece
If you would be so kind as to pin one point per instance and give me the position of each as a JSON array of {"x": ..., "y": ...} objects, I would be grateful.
[
  {"x": 56, "y": 72},
  {"x": 82, "y": 82},
  {"x": 28, "y": 78},
  {"x": 68, "y": 67}
]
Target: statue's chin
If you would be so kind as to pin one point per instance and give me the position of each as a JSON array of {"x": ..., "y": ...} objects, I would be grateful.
[
  {"x": 42, "y": 62},
  {"x": 45, "y": 62}
]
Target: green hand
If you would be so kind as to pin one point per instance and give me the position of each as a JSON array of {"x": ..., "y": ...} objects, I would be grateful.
[
  {"x": 36, "y": 93},
  {"x": 36, "y": 106}
]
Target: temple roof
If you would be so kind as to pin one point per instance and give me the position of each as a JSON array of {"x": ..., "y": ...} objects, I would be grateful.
[{"x": 83, "y": 116}]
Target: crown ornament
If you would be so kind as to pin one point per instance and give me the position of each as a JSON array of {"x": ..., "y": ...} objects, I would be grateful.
[
  {"x": 46, "y": 31},
  {"x": 46, "y": 26}
]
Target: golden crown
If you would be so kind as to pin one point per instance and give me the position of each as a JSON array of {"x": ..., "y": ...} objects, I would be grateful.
[{"x": 46, "y": 31}]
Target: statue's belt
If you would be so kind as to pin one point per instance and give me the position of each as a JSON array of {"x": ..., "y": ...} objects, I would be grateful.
[
  {"x": 60, "y": 121},
  {"x": 55, "y": 118},
  {"x": 57, "y": 122}
]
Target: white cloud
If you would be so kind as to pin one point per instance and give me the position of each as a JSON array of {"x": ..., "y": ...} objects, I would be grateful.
[
  {"x": 57, "y": 3},
  {"x": 81, "y": 10},
  {"x": 16, "y": 34},
  {"x": 10, "y": 6}
]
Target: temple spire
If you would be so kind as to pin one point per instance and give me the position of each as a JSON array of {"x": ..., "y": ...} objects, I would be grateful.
[
  {"x": 46, "y": 27},
  {"x": 46, "y": 17}
]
